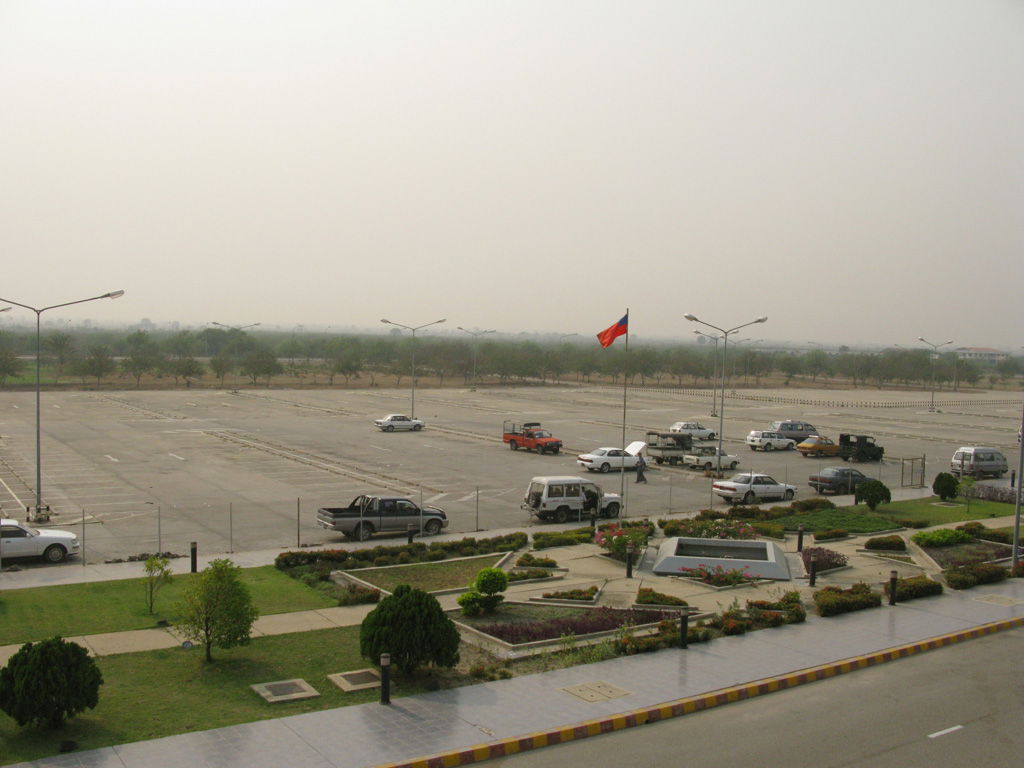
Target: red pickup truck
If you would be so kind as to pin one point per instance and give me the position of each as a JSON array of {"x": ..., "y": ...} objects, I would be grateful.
[{"x": 530, "y": 436}]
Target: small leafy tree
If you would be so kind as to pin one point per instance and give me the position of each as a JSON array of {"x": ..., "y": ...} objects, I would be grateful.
[
  {"x": 158, "y": 574},
  {"x": 945, "y": 486},
  {"x": 410, "y": 625},
  {"x": 484, "y": 595},
  {"x": 48, "y": 682},
  {"x": 217, "y": 608},
  {"x": 872, "y": 493}
]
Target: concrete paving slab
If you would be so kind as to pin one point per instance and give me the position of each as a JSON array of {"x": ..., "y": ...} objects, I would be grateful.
[
  {"x": 132, "y": 641},
  {"x": 286, "y": 623}
]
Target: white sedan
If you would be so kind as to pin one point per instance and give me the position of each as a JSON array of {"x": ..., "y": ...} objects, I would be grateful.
[
  {"x": 19, "y": 540},
  {"x": 749, "y": 488},
  {"x": 394, "y": 421},
  {"x": 695, "y": 428},
  {"x": 607, "y": 459}
]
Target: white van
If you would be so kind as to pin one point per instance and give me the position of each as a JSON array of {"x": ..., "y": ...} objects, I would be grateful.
[
  {"x": 561, "y": 498},
  {"x": 977, "y": 462}
]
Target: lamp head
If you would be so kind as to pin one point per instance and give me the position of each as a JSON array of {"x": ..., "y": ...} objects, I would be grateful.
[
  {"x": 113, "y": 295},
  {"x": 691, "y": 317}
]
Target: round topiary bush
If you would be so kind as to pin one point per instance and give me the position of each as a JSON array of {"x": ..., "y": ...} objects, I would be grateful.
[{"x": 945, "y": 486}]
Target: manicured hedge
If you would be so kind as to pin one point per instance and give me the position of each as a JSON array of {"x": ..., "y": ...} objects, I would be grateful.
[
  {"x": 913, "y": 587},
  {"x": 835, "y": 533},
  {"x": 529, "y": 560},
  {"x": 941, "y": 537},
  {"x": 417, "y": 552},
  {"x": 825, "y": 559},
  {"x": 967, "y": 576},
  {"x": 546, "y": 540},
  {"x": 832, "y": 601},
  {"x": 913, "y": 523},
  {"x": 893, "y": 543},
  {"x": 647, "y": 596}
]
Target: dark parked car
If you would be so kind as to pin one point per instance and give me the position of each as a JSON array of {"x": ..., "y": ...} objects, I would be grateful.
[{"x": 837, "y": 480}]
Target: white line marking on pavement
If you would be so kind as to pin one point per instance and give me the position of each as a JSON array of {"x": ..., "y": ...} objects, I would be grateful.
[
  {"x": 468, "y": 496},
  {"x": 377, "y": 447},
  {"x": 502, "y": 493},
  {"x": 944, "y": 731},
  {"x": 13, "y": 496},
  {"x": 435, "y": 497},
  {"x": 56, "y": 406},
  {"x": 110, "y": 457},
  {"x": 179, "y": 458}
]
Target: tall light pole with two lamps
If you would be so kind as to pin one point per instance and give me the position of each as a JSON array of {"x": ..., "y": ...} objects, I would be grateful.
[
  {"x": 41, "y": 512},
  {"x": 934, "y": 357},
  {"x": 725, "y": 350},
  {"x": 239, "y": 329},
  {"x": 412, "y": 407},
  {"x": 476, "y": 335},
  {"x": 714, "y": 372}
]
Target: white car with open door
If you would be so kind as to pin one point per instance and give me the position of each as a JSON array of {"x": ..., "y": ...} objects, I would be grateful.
[
  {"x": 607, "y": 459},
  {"x": 20, "y": 540}
]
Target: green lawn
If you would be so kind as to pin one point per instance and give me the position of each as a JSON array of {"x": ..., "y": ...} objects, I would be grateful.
[
  {"x": 429, "y": 576},
  {"x": 160, "y": 693},
  {"x": 926, "y": 509},
  {"x": 115, "y": 606},
  {"x": 853, "y": 519}
]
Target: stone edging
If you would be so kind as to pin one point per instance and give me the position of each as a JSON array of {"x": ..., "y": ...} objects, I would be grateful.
[{"x": 689, "y": 705}]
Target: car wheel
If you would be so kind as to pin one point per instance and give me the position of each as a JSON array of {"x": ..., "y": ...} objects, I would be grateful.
[
  {"x": 788, "y": 496},
  {"x": 513, "y": 445},
  {"x": 733, "y": 465},
  {"x": 712, "y": 436},
  {"x": 555, "y": 452},
  {"x": 389, "y": 428},
  {"x": 659, "y": 461},
  {"x": 753, "y": 447},
  {"x": 708, "y": 466},
  {"x": 55, "y": 553},
  {"x": 363, "y": 532},
  {"x": 605, "y": 468},
  {"x": 748, "y": 497},
  {"x": 561, "y": 514},
  {"x": 417, "y": 427},
  {"x": 432, "y": 527},
  {"x": 612, "y": 510},
  {"x": 768, "y": 447}
]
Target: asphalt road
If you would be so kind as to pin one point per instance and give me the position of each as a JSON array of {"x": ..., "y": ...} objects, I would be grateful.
[
  {"x": 956, "y": 706},
  {"x": 140, "y": 470}
]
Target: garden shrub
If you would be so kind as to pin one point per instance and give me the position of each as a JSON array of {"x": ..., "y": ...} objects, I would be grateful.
[
  {"x": 913, "y": 587},
  {"x": 616, "y": 540},
  {"x": 545, "y": 539},
  {"x": 789, "y": 605},
  {"x": 588, "y": 593},
  {"x": 593, "y": 620},
  {"x": 645, "y": 525},
  {"x": 834, "y": 533},
  {"x": 893, "y": 543},
  {"x": 986, "y": 492},
  {"x": 484, "y": 596},
  {"x": 1017, "y": 571},
  {"x": 530, "y": 573},
  {"x": 647, "y": 596},
  {"x": 973, "y": 527},
  {"x": 913, "y": 523},
  {"x": 716, "y": 529},
  {"x": 718, "y": 576},
  {"x": 811, "y": 505},
  {"x": 825, "y": 559},
  {"x": 945, "y": 486},
  {"x": 996, "y": 535},
  {"x": 410, "y": 625},
  {"x": 669, "y": 527},
  {"x": 967, "y": 576},
  {"x": 717, "y": 514},
  {"x": 356, "y": 594},
  {"x": 771, "y": 530},
  {"x": 872, "y": 493},
  {"x": 941, "y": 537},
  {"x": 832, "y": 601},
  {"x": 48, "y": 682},
  {"x": 529, "y": 560}
]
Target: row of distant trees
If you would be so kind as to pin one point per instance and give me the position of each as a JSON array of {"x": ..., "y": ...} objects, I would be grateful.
[{"x": 186, "y": 356}]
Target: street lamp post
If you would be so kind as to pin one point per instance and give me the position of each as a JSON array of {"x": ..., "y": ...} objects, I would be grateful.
[
  {"x": 934, "y": 357},
  {"x": 40, "y": 513},
  {"x": 239, "y": 329},
  {"x": 714, "y": 372},
  {"x": 476, "y": 335},
  {"x": 725, "y": 351},
  {"x": 412, "y": 407}
]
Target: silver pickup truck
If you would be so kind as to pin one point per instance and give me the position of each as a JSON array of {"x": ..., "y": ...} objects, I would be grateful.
[{"x": 367, "y": 515}]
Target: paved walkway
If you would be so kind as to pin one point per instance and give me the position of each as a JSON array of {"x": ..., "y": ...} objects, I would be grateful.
[{"x": 457, "y": 726}]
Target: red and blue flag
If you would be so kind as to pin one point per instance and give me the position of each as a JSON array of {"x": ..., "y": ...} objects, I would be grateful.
[{"x": 612, "y": 332}]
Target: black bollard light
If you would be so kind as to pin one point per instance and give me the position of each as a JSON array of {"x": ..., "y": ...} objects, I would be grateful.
[
  {"x": 385, "y": 678},
  {"x": 630, "y": 549},
  {"x": 800, "y": 538},
  {"x": 684, "y": 628},
  {"x": 1013, "y": 478},
  {"x": 410, "y": 531},
  {"x": 194, "y": 554},
  {"x": 892, "y": 587},
  {"x": 814, "y": 569}
]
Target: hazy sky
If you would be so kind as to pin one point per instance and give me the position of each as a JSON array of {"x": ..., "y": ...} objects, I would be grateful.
[{"x": 854, "y": 169}]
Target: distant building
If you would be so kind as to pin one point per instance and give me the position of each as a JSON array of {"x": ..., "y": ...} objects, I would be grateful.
[{"x": 983, "y": 354}]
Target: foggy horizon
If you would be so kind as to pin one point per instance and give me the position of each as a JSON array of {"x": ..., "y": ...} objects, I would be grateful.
[{"x": 852, "y": 171}]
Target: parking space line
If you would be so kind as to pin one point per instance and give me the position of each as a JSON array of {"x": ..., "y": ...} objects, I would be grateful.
[
  {"x": 13, "y": 495},
  {"x": 110, "y": 457},
  {"x": 434, "y": 498},
  {"x": 944, "y": 731},
  {"x": 179, "y": 458}
]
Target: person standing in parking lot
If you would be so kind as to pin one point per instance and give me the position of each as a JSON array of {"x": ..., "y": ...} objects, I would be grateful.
[{"x": 640, "y": 466}]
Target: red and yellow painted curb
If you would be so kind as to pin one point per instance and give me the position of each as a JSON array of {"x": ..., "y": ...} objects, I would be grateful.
[{"x": 679, "y": 707}]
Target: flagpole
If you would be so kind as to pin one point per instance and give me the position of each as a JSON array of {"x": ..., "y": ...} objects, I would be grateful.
[{"x": 625, "y": 370}]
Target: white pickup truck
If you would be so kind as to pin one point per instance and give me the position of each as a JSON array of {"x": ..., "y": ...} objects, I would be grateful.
[
  {"x": 20, "y": 540},
  {"x": 706, "y": 457}
]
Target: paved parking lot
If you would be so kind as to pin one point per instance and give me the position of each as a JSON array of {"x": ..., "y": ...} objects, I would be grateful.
[{"x": 245, "y": 471}]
